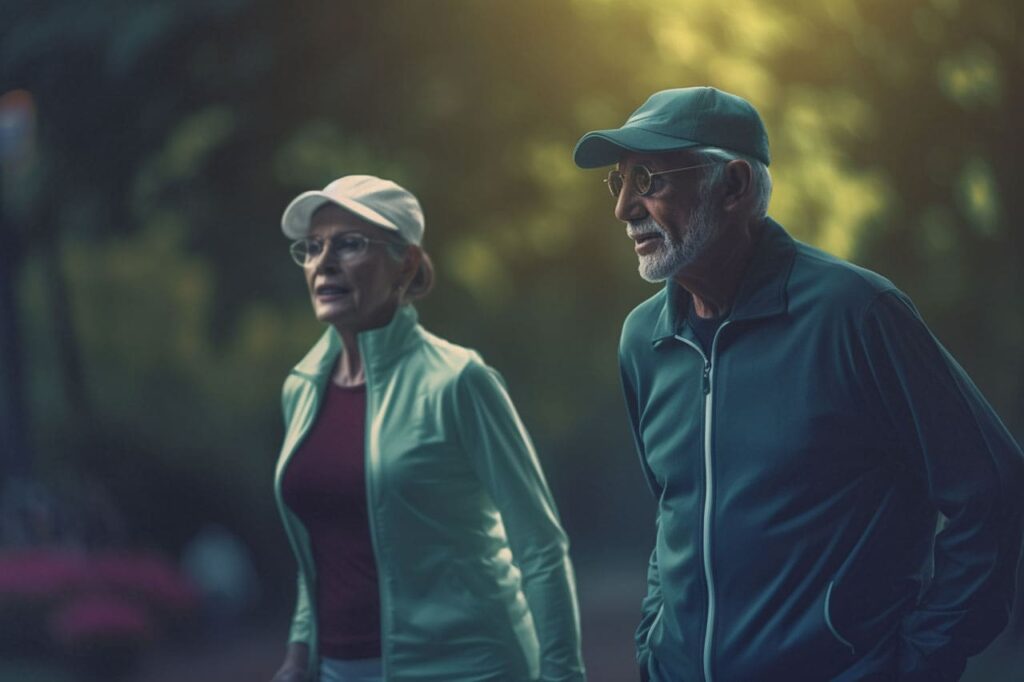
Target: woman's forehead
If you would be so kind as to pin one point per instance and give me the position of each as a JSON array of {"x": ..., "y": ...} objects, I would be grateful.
[{"x": 331, "y": 219}]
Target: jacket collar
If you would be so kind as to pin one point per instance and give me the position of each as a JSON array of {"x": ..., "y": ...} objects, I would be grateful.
[
  {"x": 762, "y": 290},
  {"x": 378, "y": 347}
]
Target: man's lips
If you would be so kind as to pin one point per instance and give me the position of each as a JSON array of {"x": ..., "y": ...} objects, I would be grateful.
[{"x": 647, "y": 242}]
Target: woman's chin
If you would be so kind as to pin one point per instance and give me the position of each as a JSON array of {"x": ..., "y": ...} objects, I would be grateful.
[{"x": 339, "y": 316}]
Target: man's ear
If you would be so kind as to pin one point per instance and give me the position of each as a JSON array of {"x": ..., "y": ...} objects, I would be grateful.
[{"x": 739, "y": 184}]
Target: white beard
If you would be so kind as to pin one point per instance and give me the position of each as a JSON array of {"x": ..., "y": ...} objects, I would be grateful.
[{"x": 672, "y": 256}]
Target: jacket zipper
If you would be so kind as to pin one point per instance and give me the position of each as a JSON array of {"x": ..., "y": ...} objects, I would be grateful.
[
  {"x": 371, "y": 462},
  {"x": 306, "y": 567},
  {"x": 707, "y": 384}
]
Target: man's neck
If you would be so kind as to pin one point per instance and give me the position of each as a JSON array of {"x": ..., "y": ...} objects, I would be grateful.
[{"x": 714, "y": 280}]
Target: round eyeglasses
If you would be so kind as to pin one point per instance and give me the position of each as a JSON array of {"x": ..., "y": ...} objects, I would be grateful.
[
  {"x": 642, "y": 178},
  {"x": 346, "y": 247}
]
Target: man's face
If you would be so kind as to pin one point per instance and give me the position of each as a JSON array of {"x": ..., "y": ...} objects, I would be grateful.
[{"x": 672, "y": 225}]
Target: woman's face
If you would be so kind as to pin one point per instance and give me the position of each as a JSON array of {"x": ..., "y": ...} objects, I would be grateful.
[{"x": 355, "y": 293}]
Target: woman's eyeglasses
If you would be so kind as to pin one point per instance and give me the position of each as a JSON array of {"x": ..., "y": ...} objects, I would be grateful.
[
  {"x": 641, "y": 178},
  {"x": 341, "y": 248}
]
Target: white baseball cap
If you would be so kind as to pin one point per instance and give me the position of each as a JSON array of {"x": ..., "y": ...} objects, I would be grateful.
[{"x": 377, "y": 201}]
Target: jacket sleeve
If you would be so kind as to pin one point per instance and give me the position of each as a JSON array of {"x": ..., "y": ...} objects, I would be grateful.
[
  {"x": 491, "y": 432},
  {"x": 650, "y": 611},
  {"x": 301, "y": 625},
  {"x": 300, "y": 630},
  {"x": 652, "y": 604},
  {"x": 949, "y": 436}
]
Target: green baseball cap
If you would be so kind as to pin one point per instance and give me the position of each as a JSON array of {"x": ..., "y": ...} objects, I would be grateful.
[{"x": 677, "y": 119}]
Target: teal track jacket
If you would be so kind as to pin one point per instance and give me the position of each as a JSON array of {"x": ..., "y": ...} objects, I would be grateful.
[
  {"x": 800, "y": 468},
  {"x": 475, "y": 579}
]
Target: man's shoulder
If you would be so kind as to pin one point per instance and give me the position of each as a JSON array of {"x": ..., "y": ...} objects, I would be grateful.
[
  {"x": 826, "y": 277},
  {"x": 640, "y": 321},
  {"x": 648, "y": 309}
]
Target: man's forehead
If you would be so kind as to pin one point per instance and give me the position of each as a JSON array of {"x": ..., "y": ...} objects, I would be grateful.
[{"x": 654, "y": 160}]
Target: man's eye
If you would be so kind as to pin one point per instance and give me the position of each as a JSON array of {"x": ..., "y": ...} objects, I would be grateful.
[{"x": 314, "y": 248}]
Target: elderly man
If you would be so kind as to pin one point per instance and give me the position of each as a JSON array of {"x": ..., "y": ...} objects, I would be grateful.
[{"x": 801, "y": 428}]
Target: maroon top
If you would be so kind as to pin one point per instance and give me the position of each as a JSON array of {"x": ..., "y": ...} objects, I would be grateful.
[{"x": 325, "y": 485}]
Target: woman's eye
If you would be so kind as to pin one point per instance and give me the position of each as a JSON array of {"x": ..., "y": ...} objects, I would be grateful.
[{"x": 349, "y": 245}]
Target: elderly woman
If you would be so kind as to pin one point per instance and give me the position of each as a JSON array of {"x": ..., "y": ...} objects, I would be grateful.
[{"x": 428, "y": 544}]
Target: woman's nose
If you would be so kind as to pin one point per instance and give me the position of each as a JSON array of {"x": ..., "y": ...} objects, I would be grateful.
[{"x": 326, "y": 262}]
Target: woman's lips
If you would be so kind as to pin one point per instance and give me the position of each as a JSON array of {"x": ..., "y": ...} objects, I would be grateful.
[{"x": 329, "y": 292}]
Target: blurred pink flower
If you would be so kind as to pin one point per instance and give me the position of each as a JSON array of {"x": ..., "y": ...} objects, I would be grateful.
[
  {"x": 72, "y": 597},
  {"x": 100, "y": 618},
  {"x": 147, "y": 576},
  {"x": 33, "y": 574},
  {"x": 40, "y": 573}
]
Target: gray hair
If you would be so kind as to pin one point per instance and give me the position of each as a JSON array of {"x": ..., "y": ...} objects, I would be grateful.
[
  {"x": 423, "y": 281},
  {"x": 762, "y": 179}
]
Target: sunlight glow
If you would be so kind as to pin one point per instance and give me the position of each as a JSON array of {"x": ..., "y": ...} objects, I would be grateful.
[
  {"x": 971, "y": 77},
  {"x": 473, "y": 263},
  {"x": 978, "y": 196}
]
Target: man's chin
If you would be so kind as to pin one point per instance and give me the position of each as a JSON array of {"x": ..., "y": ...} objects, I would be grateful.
[
  {"x": 654, "y": 272},
  {"x": 653, "y": 279}
]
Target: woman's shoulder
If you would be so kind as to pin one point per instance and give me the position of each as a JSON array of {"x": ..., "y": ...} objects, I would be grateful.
[
  {"x": 454, "y": 362},
  {"x": 453, "y": 354},
  {"x": 318, "y": 359}
]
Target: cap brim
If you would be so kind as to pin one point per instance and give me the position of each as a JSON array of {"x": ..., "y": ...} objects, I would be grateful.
[
  {"x": 604, "y": 147},
  {"x": 296, "y": 217}
]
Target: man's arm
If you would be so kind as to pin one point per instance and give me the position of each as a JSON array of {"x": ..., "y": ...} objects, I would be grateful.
[
  {"x": 651, "y": 607},
  {"x": 974, "y": 472},
  {"x": 650, "y": 612}
]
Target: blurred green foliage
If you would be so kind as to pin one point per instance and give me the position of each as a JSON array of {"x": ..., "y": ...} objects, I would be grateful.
[{"x": 172, "y": 135}]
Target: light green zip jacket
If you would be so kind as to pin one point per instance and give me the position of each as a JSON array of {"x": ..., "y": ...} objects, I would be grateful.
[{"x": 473, "y": 565}]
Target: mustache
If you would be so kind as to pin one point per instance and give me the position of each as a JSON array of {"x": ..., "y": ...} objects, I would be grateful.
[{"x": 638, "y": 228}]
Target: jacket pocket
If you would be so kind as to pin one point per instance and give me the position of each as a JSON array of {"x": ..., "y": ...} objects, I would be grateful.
[
  {"x": 830, "y": 622},
  {"x": 654, "y": 624}
]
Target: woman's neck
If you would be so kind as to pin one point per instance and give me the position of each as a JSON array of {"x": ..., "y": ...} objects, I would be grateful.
[{"x": 349, "y": 369}]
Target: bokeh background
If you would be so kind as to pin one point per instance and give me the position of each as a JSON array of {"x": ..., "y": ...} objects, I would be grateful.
[{"x": 149, "y": 311}]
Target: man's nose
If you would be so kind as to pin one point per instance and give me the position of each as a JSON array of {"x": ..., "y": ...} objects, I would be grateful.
[{"x": 628, "y": 205}]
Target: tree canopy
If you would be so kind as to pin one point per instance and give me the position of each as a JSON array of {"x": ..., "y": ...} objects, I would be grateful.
[{"x": 160, "y": 310}]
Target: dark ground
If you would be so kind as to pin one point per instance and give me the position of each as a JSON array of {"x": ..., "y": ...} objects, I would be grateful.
[
  {"x": 609, "y": 606},
  {"x": 609, "y": 603}
]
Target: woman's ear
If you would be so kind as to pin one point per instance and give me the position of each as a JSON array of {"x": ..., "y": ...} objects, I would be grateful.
[
  {"x": 422, "y": 280},
  {"x": 409, "y": 266}
]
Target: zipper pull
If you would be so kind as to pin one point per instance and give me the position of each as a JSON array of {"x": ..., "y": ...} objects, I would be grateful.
[{"x": 706, "y": 379}]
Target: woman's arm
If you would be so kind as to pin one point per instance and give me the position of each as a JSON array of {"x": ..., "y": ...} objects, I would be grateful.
[
  {"x": 501, "y": 449},
  {"x": 295, "y": 666}
]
